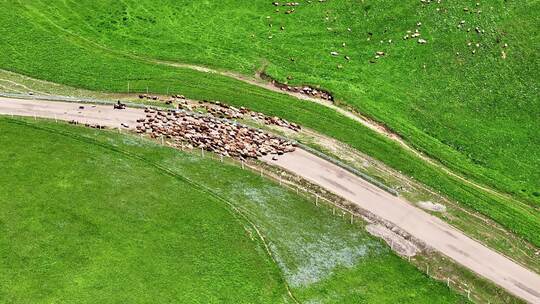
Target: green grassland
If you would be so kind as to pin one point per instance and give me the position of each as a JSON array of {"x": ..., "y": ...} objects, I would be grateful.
[
  {"x": 476, "y": 114},
  {"x": 478, "y": 107},
  {"x": 90, "y": 216}
]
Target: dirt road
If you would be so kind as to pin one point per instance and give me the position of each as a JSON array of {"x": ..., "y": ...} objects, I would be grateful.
[
  {"x": 94, "y": 114},
  {"x": 433, "y": 231},
  {"x": 373, "y": 125}
]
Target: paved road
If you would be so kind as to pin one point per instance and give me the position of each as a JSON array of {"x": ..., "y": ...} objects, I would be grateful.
[{"x": 433, "y": 231}]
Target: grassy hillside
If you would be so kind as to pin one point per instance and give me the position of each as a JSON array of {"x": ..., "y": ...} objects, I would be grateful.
[
  {"x": 89, "y": 216},
  {"x": 471, "y": 112},
  {"x": 440, "y": 96}
]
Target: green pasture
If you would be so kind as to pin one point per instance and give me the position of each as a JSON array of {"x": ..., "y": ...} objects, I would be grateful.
[{"x": 90, "y": 216}]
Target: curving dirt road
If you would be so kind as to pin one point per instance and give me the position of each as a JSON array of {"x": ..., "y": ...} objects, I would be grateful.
[{"x": 439, "y": 235}]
